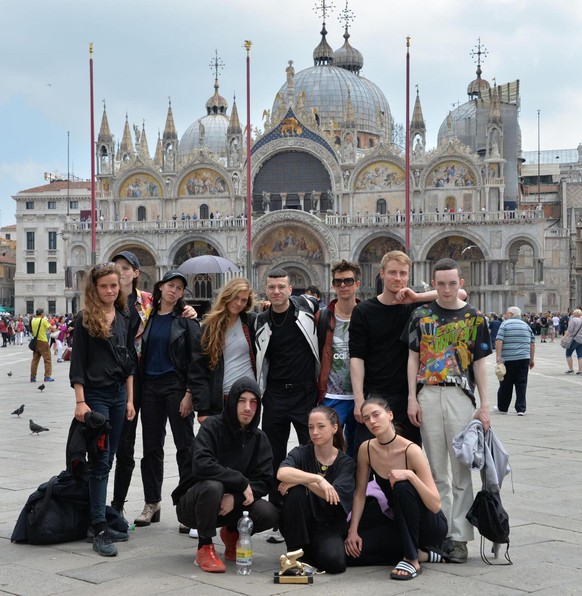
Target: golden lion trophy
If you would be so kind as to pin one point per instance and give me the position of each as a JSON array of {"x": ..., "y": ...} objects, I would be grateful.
[{"x": 293, "y": 571}]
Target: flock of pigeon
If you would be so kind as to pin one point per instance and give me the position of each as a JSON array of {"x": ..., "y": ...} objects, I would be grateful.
[{"x": 33, "y": 426}]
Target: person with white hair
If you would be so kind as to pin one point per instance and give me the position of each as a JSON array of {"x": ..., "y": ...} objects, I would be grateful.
[{"x": 515, "y": 348}]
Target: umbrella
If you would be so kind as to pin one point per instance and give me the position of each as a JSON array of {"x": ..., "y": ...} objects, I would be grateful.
[{"x": 207, "y": 264}]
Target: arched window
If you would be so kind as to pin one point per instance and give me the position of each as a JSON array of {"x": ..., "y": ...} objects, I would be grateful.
[
  {"x": 141, "y": 213},
  {"x": 370, "y": 142},
  {"x": 204, "y": 211},
  {"x": 381, "y": 206}
]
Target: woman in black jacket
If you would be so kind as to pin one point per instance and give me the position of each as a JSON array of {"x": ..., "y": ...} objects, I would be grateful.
[
  {"x": 101, "y": 374},
  {"x": 226, "y": 346},
  {"x": 167, "y": 370}
]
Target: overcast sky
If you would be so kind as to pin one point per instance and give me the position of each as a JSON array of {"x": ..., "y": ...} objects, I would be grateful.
[{"x": 146, "y": 51}]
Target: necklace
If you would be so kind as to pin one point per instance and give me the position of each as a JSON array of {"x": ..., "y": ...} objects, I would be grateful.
[
  {"x": 390, "y": 441},
  {"x": 284, "y": 318},
  {"x": 341, "y": 315}
]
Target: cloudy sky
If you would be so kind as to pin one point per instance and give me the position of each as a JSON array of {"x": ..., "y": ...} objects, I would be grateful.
[{"x": 146, "y": 51}]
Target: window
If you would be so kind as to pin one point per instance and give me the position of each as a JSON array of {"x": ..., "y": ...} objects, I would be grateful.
[
  {"x": 29, "y": 204},
  {"x": 30, "y": 267},
  {"x": 52, "y": 306},
  {"x": 29, "y": 240},
  {"x": 381, "y": 206},
  {"x": 52, "y": 205},
  {"x": 141, "y": 214},
  {"x": 204, "y": 211},
  {"x": 52, "y": 267},
  {"x": 73, "y": 204},
  {"x": 30, "y": 306},
  {"x": 8, "y": 236},
  {"x": 52, "y": 241}
]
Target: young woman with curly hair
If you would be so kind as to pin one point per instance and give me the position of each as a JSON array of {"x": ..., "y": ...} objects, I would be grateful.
[
  {"x": 101, "y": 374},
  {"x": 227, "y": 346}
]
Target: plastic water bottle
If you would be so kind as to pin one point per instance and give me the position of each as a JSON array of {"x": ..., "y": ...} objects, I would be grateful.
[{"x": 244, "y": 545}]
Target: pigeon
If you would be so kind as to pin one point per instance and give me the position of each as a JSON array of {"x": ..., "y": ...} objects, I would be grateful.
[
  {"x": 41, "y": 387},
  {"x": 19, "y": 410},
  {"x": 9, "y": 373},
  {"x": 35, "y": 428}
]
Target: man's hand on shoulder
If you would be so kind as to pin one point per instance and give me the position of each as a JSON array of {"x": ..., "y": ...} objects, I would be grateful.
[
  {"x": 189, "y": 312},
  {"x": 406, "y": 296}
]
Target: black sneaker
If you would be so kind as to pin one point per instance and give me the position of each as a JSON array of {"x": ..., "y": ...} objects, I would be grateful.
[
  {"x": 113, "y": 534},
  {"x": 103, "y": 545}
]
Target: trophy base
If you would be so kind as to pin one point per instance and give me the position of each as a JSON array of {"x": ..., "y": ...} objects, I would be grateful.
[{"x": 292, "y": 579}]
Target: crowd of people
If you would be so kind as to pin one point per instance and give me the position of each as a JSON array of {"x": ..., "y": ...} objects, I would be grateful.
[{"x": 375, "y": 390}]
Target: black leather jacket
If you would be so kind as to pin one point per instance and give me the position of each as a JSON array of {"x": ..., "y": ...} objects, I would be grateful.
[{"x": 184, "y": 335}]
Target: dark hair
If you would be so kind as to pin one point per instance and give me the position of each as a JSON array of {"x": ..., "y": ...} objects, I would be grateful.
[
  {"x": 344, "y": 266},
  {"x": 278, "y": 272},
  {"x": 446, "y": 265},
  {"x": 375, "y": 399},
  {"x": 314, "y": 290},
  {"x": 157, "y": 298},
  {"x": 339, "y": 441}
]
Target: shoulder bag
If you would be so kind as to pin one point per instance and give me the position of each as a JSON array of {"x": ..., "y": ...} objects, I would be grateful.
[{"x": 32, "y": 343}]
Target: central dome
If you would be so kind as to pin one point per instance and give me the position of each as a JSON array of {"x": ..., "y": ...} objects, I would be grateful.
[{"x": 326, "y": 88}]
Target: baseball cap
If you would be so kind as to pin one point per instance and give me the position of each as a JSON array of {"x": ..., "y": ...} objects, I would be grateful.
[
  {"x": 173, "y": 275},
  {"x": 500, "y": 371},
  {"x": 129, "y": 257}
]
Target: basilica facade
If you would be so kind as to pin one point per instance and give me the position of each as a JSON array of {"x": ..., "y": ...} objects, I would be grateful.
[{"x": 328, "y": 178}]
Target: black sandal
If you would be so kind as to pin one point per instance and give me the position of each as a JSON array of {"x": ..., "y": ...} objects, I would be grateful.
[{"x": 410, "y": 571}]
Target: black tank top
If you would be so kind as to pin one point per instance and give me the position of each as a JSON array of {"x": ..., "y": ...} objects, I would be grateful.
[{"x": 382, "y": 482}]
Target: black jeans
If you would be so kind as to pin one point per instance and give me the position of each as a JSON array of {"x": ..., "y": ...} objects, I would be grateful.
[
  {"x": 515, "y": 375},
  {"x": 281, "y": 409},
  {"x": 199, "y": 508},
  {"x": 160, "y": 402}
]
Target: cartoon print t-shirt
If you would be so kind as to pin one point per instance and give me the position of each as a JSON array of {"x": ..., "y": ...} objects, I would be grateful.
[{"x": 449, "y": 341}]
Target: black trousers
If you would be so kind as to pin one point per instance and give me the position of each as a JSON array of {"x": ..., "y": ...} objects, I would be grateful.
[
  {"x": 199, "y": 508},
  {"x": 161, "y": 402},
  {"x": 386, "y": 541},
  {"x": 322, "y": 543},
  {"x": 124, "y": 458},
  {"x": 281, "y": 409},
  {"x": 515, "y": 376}
]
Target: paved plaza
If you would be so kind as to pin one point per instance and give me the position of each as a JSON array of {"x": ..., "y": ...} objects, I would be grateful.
[{"x": 543, "y": 498}]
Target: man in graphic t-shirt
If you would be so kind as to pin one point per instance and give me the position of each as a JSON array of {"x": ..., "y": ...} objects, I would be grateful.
[
  {"x": 448, "y": 341},
  {"x": 335, "y": 384}
]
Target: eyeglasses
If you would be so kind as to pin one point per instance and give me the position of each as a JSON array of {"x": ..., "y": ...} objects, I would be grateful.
[
  {"x": 280, "y": 287},
  {"x": 104, "y": 266},
  {"x": 336, "y": 282}
]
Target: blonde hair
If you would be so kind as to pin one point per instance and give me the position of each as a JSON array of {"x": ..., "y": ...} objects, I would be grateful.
[
  {"x": 94, "y": 316},
  {"x": 577, "y": 313},
  {"x": 395, "y": 255},
  {"x": 215, "y": 322}
]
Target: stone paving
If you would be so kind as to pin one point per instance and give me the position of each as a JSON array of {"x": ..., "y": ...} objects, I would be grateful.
[{"x": 543, "y": 498}]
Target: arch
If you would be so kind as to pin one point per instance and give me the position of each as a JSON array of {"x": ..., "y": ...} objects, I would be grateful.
[
  {"x": 301, "y": 274},
  {"x": 204, "y": 180},
  {"x": 139, "y": 184},
  {"x": 369, "y": 254},
  {"x": 192, "y": 248},
  {"x": 141, "y": 213},
  {"x": 148, "y": 264},
  {"x": 204, "y": 211},
  {"x": 381, "y": 175},
  {"x": 469, "y": 239},
  {"x": 453, "y": 172},
  {"x": 289, "y": 240},
  {"x": 517, "y": 242},
  {"x": 381, "y": 206}
]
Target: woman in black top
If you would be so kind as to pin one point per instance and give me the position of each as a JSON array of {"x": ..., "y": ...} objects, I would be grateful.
[
  {"x": 317, "y": 483},
  {"x": 401, "y": 479},
  {"x": 167, "y": 372},
  {"x": 101, "y": 374}
]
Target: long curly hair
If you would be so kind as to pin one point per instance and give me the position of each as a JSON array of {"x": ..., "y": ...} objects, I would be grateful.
[
  {"x": 94, "y": 319},
  {"x": 215, "y": 322}
]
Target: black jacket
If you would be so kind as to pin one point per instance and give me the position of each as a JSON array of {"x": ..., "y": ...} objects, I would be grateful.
[
  {"x": 223, "y": 451},
  {"x": 183, "y": 337},
  {"x": 207, "y": 390}
]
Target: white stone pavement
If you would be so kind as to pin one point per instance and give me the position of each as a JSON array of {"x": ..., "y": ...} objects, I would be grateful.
[{"x": 545, "y": 507}]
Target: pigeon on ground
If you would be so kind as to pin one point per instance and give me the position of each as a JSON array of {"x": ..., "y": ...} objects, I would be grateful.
[
  {"x": 41, "y": 387},
  {"x": 19, "y": 410},
  {"x": 35, "y": 428},
  {"x": 9, "y": 373}
]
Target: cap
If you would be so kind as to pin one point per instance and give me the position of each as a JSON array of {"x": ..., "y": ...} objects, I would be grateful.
[
  {"x": 129, "y": 257},
  {"x": 500, "y": 371},
  {"x": 173, "y": 275}
]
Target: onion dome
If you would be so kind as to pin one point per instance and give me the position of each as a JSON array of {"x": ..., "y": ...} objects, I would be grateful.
[{"x": 348, "y": 57}]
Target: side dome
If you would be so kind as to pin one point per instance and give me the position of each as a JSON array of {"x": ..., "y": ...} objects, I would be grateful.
[
  {"x": 326, "y": 88},
  {"x": 348, "y": 57},
  {"x": 208, "y": 131}
]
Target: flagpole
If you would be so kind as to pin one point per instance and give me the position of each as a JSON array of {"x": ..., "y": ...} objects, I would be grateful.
[
  {"x": 248, "y": 45},
  {"x": 93, "y": 207},
  {"x": 407, "y": 149}
]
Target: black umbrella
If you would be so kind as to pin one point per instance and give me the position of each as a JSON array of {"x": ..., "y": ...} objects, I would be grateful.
[{"x": 207, "y": 264}]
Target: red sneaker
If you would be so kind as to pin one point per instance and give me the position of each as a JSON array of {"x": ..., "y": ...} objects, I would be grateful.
[
  {"x": 230, "y": 538},
  {"x": 207, "y": 560}
]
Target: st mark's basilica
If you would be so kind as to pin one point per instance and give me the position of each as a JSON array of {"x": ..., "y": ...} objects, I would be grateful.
[{"x": 328, "y": 183}]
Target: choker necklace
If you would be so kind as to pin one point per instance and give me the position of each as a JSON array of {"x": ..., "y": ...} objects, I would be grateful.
[{"x": 390, "y": 441}]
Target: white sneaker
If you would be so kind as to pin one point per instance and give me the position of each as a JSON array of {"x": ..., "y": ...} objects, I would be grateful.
[
  {"x": 193, "y": 533},
  {"x": 275, "y": 537},
  {"x": 496, "y": 409},
  {"x": 521, "y": 413}
]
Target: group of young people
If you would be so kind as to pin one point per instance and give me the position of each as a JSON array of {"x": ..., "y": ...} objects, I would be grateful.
[{"x": 392, "y": 375}]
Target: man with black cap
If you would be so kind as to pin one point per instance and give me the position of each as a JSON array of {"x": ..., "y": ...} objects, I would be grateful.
[{"x": 232, "y": 470}]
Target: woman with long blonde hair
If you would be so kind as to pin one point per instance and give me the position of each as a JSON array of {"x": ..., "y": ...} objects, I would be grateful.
[
  {"x": 227, "y": 347},
  {"x": 101, "y": 374}
]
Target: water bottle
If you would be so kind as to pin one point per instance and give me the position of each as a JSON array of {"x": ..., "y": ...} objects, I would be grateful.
[{"x": 244, "y": 545}]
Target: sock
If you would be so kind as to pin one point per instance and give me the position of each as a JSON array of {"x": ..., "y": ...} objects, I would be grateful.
[{"x": 203, "y": 541}]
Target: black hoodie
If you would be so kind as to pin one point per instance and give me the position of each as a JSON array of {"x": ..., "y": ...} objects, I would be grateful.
[{"x": 223, "y": 451}]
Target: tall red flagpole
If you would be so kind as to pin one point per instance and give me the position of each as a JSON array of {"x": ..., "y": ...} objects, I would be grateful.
[
  {"x": 248, "y": 45},
  {"x": 407, "y": 149},
  {"x": 93, "y": 207}
]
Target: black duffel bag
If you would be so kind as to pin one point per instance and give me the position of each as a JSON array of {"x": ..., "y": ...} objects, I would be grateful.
[{"x": 58, "y": 511}]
